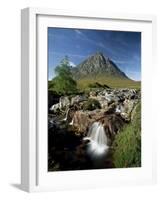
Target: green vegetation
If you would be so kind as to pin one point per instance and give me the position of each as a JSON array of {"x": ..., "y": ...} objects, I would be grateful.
[
  {"x": 127, "y": 144},
  {"x": 111, "y": 82},
  {"x": 98, "y": 85},
  {"x": 50, "y": 85},
  {"x": 91, "y": 104},
  {"x": 63, "y": 83}
]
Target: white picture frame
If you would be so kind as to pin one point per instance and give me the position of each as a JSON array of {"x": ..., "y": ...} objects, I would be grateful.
[{"x": 34, "y": 22}]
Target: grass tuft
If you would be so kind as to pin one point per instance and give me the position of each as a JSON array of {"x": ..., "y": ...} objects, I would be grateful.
[{"x": 127, "y": 144}]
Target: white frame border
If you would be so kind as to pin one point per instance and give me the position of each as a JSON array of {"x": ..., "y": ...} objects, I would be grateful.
[{"x": 29, "y": 85}]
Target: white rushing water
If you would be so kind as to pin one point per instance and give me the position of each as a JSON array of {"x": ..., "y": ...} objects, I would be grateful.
[
  {"x": 66, "y": 116},
  {"x": 72, "y": 122},
  {"x": 98, "y": 140}
]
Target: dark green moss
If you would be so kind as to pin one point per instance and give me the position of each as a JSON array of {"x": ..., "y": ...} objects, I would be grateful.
[{"x": 91, "y": 104}]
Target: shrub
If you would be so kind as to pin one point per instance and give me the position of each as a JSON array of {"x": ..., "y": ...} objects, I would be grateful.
[
  {"x": 91, "y": 104},
  {"x": 127, "y": 144},
  {"x": 63, "y": 83}
]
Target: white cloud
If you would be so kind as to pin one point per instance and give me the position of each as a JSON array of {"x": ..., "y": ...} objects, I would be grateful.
[{"x": 72, "y": 64}]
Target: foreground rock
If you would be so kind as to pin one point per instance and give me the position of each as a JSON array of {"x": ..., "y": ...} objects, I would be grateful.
[
  {"x": 82, "y": 121},
  {"x": 116, "y": 108},
  {"x": 65, "y": 102}
]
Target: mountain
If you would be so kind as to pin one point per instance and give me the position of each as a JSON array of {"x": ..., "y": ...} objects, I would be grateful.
[{"x": 96, "y": 66}]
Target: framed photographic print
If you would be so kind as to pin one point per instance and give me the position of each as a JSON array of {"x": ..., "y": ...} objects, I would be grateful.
[{"x": 87, "y": 118}]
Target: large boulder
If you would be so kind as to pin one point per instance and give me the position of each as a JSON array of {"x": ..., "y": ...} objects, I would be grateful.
[{"x": 82, "y": 120}]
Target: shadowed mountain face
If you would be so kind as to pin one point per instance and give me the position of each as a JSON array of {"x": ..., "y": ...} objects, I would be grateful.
[{"x": 96, "y": 66}]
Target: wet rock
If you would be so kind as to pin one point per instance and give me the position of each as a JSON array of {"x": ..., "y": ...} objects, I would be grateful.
[
  {"x": 83, "y": 119},
  {"x": 78, "y": 99},
  {"x": 128, "y": 106},
  {"x": 64, "y": 102},
  {"x": 54, "y": 108},
  {"x": 112, "y": 124},
  {"x": 111, "y": 108}
]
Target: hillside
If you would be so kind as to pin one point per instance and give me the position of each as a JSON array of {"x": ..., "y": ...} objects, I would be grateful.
[{"x": 97, "y": 68}]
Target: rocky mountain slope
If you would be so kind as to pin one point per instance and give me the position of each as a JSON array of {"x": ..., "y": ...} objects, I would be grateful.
[{"x": 96, "y": 66}]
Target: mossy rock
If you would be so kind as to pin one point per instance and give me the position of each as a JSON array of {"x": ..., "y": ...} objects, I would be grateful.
[{"x": 91, "y": 104}]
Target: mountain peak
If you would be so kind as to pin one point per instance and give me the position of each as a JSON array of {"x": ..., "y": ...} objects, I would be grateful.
[
  {"x": 98, "y": 55},
  {"x": 97, "y": 65}
]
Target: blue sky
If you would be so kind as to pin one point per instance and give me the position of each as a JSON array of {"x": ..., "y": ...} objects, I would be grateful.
[{"x": 123, "y": 48}]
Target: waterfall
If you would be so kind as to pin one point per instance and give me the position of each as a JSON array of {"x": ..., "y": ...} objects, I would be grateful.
[
  {"x": 97, "y": 145},
  {"x": 66, "y": 116},
  {"x": 72, "y": 122}
]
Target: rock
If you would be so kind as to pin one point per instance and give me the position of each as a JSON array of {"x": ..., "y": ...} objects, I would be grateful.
[
  {"x": 54, "y": 108},
  {"x": 118, "y": 102},
  {"x": 111, "y": 109},
  {"x": 104, "y": 98},
  {"x": 64, "y": 102},
  {"x": 119, "y": 108},
  {"x": 83, "y": 119},
  {"x": 112, "y": 124},
  {"x": 92, "y": 94},
  {"x": 104, "y": 103},
  {"x": 125, "y": 109},
  {"x": 91, "y": 104},
  {"x": 111, "y": 98},
  {"x": 78, "y": 99}
]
